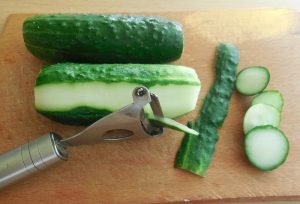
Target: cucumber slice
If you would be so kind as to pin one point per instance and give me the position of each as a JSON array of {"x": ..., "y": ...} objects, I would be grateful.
[
  {"x": 252, "y": 80},
  {"x": 266, "y": 147},
  {"x": 271, "y": 97},
  {"x": 261, "y": 114},
  {"x": 172, "y": 124}
]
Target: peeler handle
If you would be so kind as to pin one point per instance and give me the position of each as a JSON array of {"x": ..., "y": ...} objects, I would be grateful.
[{"x": 30, "y": 158}]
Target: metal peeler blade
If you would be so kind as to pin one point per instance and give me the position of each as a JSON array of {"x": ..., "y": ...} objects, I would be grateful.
[{"x": 128, "y": 122}]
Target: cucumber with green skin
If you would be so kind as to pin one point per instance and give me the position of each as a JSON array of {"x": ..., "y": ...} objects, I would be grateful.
[
  {"x": 83, "y": 93},
  {"x": 103, "y": 38},
  {"x": 195, "y": 153}
]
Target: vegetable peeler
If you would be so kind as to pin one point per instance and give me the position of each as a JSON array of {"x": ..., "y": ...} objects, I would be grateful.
[{"x": 43, "y": 152}]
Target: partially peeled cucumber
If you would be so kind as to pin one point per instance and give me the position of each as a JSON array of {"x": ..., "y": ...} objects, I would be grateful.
[{"x": 80, "y": 94}]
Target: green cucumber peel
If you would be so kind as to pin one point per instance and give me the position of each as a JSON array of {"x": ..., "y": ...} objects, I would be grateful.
[
  {"x": 172, "y": 124},
  {"x": 195, "y": 153}
]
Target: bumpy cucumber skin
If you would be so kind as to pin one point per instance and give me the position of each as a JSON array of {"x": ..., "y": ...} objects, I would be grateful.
[
  {"x": 103, "y": 38},
  {"x": 253, "y": 162},
  {"x": 195, "y": 153},
  {"x": 253, "y": 93},
  {"x": 146, "y": 74}
]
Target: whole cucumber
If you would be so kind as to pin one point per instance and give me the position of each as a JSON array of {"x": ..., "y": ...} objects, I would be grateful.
[{"x": 103, "y": 38}]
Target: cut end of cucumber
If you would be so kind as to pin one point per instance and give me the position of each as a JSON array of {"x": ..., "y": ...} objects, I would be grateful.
[
  {"x": 252, "y": 80},
  {"x": 266, "y": 147},
  {"x": 172, "y": 124},
  {"x": 270, "y": 97},
  {"x": 261, "y": 114}
]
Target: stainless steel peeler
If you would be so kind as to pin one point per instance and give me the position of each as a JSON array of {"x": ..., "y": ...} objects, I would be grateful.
[{"x": 43, "y": 152}]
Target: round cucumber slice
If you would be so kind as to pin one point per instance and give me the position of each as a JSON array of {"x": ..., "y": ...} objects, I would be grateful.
[
  {"x": 261, "y": 114},
  {"x": 252, "y": 80},
  {"x": 270, "y": 97},
  {"x": 266, "y": 147}
]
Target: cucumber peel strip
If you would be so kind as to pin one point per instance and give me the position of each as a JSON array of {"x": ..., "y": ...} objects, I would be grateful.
[
  {"x": 172, "y": 124},
  {"x": 195, "y": 153}
]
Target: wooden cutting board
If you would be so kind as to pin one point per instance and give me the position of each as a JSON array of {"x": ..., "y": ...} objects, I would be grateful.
[{"x": 142, "y": 171}]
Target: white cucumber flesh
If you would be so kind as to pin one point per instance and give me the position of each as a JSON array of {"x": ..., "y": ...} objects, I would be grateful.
[
  {"x": 252, "y": 80},
  {"x": 266, "y": 147},
  {"x": 269, "y": 97},
  {"x": 261, "y": 114},
  {"x": 175, "y": 99}
]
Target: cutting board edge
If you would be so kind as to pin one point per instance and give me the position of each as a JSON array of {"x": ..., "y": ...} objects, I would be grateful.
[{"x": 240, "y": 199}]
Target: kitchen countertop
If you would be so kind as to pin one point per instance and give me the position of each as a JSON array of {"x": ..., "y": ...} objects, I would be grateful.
[{"x": 96, "y": 6}]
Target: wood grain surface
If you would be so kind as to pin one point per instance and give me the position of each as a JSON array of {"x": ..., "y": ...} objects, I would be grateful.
[
  {"x": 71, "y": 6},
  {"x": 142, "y": 171}
]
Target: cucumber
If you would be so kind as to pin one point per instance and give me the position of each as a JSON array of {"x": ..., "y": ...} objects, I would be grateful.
[
  {"x": 261, "y": 114},
  {"x": 103, "y": 38},
  {"x": 172, "y": 124},
  {"x": 195, "y": 153},
  {"x": 83, "y": 93},
  {"x": 252, "y": 80},
  {"x": 271, "y": 97},
  {"x": 266, "y": 147}
]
